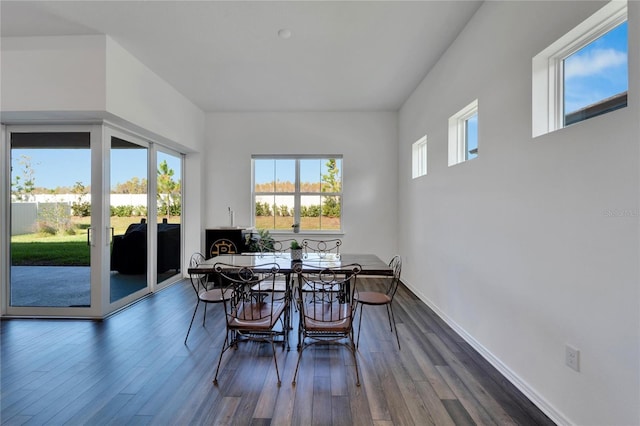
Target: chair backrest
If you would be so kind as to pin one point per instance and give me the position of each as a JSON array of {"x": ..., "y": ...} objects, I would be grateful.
[
  {"x": 239, "y": 284},
  {"x": 327, "y": 296},
  {"x": 276, "y": 246},
  {"x": 322, "y": 248},
  {"x": 396, "y": 266},
  {"x": 198, "y": 281}
]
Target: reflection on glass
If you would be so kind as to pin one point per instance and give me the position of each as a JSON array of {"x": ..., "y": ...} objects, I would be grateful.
[
  {"x": 169, "y": 215},
  {"x": 128, "y": 203}
]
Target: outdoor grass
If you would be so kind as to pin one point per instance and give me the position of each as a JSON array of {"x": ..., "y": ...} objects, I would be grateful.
[
  {"x": 62, "y": 250},
  {"x": 72, "y": 250}
]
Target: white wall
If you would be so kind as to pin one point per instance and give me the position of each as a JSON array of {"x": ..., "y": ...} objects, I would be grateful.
[
  {"x": 92, "y": 78},
  {"x": 53, "y": 74},
  {"x": 367, "y": 141},
  {"x": 521, "y": 249},
  {"x": 136, "y": 94}
]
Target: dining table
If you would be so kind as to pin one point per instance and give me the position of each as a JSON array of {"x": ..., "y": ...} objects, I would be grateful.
[
  {"x": 340, "y": 263},
  {"x": 311, "y": 262}
]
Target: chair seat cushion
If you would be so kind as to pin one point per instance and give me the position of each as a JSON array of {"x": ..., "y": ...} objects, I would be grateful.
[
  {"x": 373, "y": 298},
  {"x": 277, "y": 286},
  {"x": 256, "y": 315},
  {"x": 324, "y": 317},
  {"x": 214, "y": 295}
]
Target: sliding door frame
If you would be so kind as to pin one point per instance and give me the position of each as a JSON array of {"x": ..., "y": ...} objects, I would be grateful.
[{"x": 100, "y": 144}]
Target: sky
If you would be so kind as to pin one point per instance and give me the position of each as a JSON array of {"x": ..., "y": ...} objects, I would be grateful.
[
  {"x": 597, "y": 71},
  {"x": 311, "y": 170},
  {"x": 65, "y": 167}
]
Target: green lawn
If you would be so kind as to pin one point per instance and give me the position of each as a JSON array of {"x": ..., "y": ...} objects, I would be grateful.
[
  {"x": 62, "y": 250},
  {"x": 35, "y": 249}
]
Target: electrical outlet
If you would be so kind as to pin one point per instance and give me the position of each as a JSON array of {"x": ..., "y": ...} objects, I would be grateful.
[{"x": 572, "y": 358}]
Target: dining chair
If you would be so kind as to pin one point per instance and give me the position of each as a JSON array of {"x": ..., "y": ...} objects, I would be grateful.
[
  {"x": 281, "y": 287},
  {"x": 376, "y": 298},
  {"x": 321, "y": 248},
  {"x": 251, "y": 314},
  {"x": 326, "y": 305},
  {"x": 205, "y": 295}
]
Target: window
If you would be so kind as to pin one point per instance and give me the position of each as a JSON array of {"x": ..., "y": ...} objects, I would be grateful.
[
  {"x": 303, "y": 190},
  {"x": 463, "y": 134},
  {"x": 419, "y": 157},
  {"x": 584, "y": 74}
]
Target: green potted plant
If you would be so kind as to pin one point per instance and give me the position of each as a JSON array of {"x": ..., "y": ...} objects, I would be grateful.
[
  {"x": 296, "y": 250},
  {"x": 261, "y": 242}
]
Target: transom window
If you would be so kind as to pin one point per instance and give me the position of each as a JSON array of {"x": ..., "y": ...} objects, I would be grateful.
[
  {"x": 583, "y": 74},
  {"x": 463, "y": 134},
  {"x": 297, "y": 190},
  {"x": 596, "y": 77},
  {"x": 419, "y": 157}
]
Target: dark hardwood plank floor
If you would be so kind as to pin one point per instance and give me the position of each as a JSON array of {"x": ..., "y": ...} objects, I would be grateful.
[{"x": 133, "y": 368}]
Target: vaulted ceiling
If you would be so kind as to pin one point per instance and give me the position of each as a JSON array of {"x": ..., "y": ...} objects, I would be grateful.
[{"x": 229, "y": 56}]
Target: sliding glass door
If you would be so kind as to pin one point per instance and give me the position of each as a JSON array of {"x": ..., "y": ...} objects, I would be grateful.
[
  {"x": 94, "y": 214},
  {"x": 50, "y": 210},
  {"x": 128, "y": 218},
  {"x": 169, "y": 214}
]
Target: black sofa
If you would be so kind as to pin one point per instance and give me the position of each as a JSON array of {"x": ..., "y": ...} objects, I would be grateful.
[{"x": 129, "y": 251}]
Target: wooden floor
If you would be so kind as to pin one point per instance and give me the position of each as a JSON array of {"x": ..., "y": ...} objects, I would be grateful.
[{"x": 134, "y": 368}]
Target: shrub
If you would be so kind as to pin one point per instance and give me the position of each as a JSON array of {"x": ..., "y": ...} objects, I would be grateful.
[
  {"x": 54, "y": 218},
  {"x": 263, "y": 209},
  {"x": 82, "y": 209}
]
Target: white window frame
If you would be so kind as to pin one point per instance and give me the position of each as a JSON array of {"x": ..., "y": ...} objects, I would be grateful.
[
  {"x": 458, "y": 133},
  {"x": 548, "y": 66},
  {"x": 298, "y": 193},
  {"x": 419, "y": 157}
]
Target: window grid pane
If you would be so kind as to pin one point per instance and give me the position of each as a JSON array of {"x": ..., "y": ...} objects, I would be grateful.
[
  {"x": 419, "y": 158},
  {"x": 471, "y": 137},
  {"x": 595, "y": 77},
  {"x": 277, "y": 202}
]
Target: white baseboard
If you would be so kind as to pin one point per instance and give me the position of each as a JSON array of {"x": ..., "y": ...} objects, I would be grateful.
[{"x": 522, "y": 386}]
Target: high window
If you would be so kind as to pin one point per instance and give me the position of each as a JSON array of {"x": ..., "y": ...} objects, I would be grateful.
[
  {"x": 583, "y": 74},
  {"x": 463, "y": 134},
  {"x": 419, "y": 158},
  {"x": 297, "y": 190}
]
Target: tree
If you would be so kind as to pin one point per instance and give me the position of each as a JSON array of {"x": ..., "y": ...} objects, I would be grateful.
[
  {"x": 331, "y": 183},
  {"x": 167, "y": 187},
  {"x": 22, "y": 187},
  {"x": 80, "y": 207},
  {"x": 134, "y": 185}
]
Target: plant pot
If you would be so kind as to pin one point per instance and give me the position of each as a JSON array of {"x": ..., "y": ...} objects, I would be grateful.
[{"x": 296, "y": 254}]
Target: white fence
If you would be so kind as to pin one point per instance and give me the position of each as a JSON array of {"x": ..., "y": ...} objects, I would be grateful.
[
  {"x": 116, "y": 199},
  {"x": 25, "y": 215}
]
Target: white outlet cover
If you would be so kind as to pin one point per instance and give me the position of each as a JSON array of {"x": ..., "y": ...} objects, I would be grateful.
[{"x": 572, "y": 358}]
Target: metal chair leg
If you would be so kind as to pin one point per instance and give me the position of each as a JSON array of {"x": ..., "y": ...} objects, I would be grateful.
[
  {"x": 191, "y": 323},
  {"x": 204, "y": 317},
  {"x": 390, "y": 308},
  {"x": 359, "y": 325}
]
